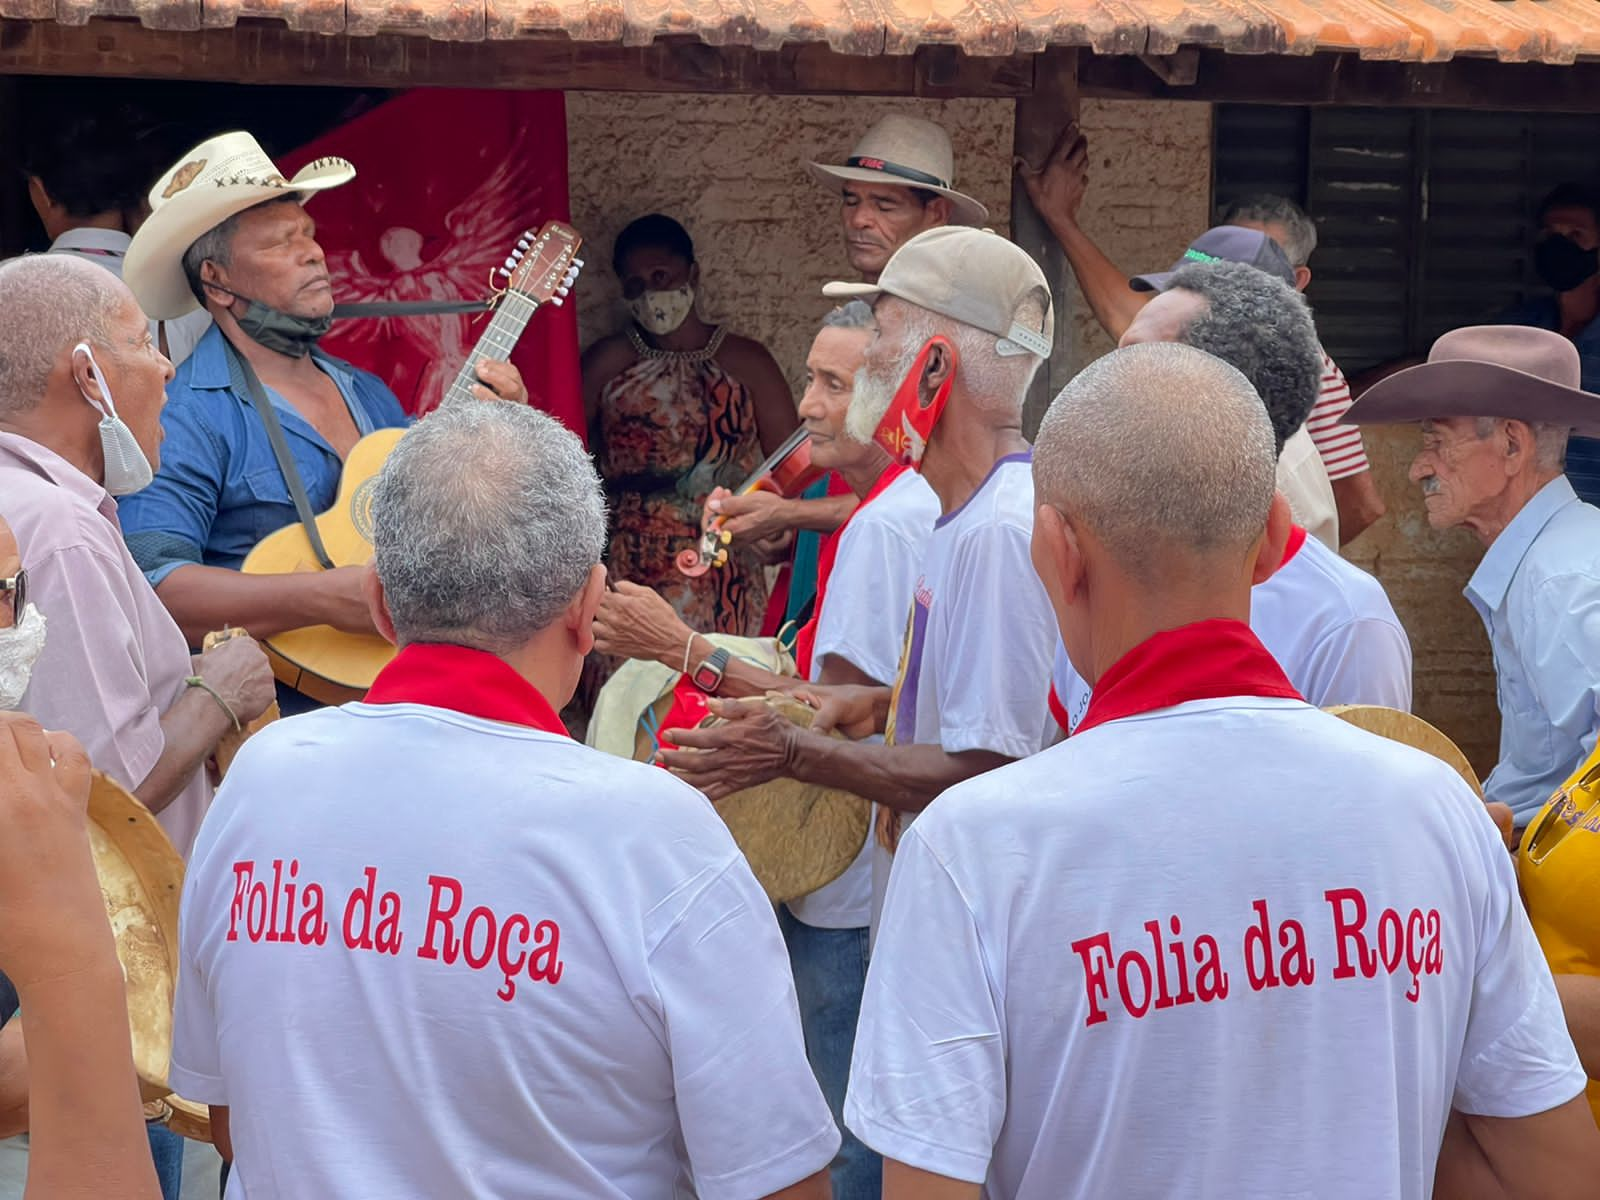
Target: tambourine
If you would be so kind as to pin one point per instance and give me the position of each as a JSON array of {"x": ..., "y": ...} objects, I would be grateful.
[{"x": 796, "y": 836}]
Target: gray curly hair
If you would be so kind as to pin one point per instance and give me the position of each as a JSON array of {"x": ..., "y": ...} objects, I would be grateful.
[{"x": 1263, "y": 327}]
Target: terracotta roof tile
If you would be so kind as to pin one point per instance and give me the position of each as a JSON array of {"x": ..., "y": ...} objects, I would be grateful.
[{"x": 1549, "y": 31}]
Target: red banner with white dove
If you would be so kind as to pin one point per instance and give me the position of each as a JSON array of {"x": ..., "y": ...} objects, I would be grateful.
[{"x": 446, "y": 183}]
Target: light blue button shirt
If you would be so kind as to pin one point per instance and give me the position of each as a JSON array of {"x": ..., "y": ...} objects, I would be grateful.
[{"x": 1538, "y": 592}]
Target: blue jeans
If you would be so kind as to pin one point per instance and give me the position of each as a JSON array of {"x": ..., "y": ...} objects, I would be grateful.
[
  {"x": 830, "y": 971},
  {"x": 166, "y": 1148}
]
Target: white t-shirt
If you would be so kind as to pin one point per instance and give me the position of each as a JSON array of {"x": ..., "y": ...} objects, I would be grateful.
[
  {"x": 1065, "y": 999},
  {"x": 982, "y": 629},
  {"x": 862, "y": 620},
  {"x": 1303, "y": 480},
  {"x": 589, "y": 997},
  {"x": 1327, "y": 622}
]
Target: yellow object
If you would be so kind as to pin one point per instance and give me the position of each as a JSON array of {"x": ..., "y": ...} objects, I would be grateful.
[
  {"x": 320, "y": 661},
  {"x": 1558, "y": 866}
]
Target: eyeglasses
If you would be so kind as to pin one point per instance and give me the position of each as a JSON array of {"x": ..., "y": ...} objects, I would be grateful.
[
  {"x": 17, "y": 586},
  {"x": 1565, "y": 809}
]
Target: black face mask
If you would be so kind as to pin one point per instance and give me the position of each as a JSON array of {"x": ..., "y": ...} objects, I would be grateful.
[
  {"x": 1562, "y": 263},
  {"x": 280, "y": 331}
]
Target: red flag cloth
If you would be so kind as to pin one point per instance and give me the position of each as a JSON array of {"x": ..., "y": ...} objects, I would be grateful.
[{"x": 446, "y": 182}]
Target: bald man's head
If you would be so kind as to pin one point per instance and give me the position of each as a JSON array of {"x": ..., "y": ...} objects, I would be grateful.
[
  {"x": 48, "y": 304},
  {"x": 1165, "y": 454}
]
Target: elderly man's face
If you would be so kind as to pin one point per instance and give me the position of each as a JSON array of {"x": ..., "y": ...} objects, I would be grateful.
[
  {"x": 831, "y": 368},
  {"x": 10, "y": 564},
  {"x": 1459, "y": 471},
  {"x": 1165, "y": 318},
  {"x": 275, "y": 259},
  {"x": 890, "y": 355},
  {"x": 880, "y": 218},
  {"x": 137, "y": 374}
]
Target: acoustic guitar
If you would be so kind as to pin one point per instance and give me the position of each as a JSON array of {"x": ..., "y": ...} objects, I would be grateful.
[{"x": 322, "y": 662}]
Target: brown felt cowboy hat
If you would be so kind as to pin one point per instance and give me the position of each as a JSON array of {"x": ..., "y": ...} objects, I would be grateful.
[
  {"x": 905, "y": 152},
  {"x": 1510, "y": 371}
]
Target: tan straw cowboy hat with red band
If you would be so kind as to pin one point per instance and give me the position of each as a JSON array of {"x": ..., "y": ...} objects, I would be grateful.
[
  {"x": 219, "y": 178},
  {"x": 1510, "y": 371},
  {"x": 905, "y": 152}
]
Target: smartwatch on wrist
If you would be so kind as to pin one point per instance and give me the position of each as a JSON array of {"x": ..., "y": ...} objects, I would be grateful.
[{"x": 708, "y": 675}]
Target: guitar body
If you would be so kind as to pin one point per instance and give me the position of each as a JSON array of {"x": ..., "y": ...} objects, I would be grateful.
[
  {"x": 320, "y": 661},
  {"x": 324, "y": 663}
]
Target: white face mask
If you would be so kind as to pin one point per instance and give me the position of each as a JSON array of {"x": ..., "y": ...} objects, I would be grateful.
[
  {"x": 127, "y": 468},
  {"x": 662, "y": 312},
  {"x": 20, "y": 647}
]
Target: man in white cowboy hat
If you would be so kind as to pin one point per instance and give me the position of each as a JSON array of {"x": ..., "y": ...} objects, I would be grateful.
[
  {"x": 1496, "y": 404},
  {"x": 229, "y": 232},
  {"x": 963, "y": 322},
  {"x": 898, "y": 181}
]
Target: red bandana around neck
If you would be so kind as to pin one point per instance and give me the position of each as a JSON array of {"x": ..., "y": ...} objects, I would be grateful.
[
  {"x": 1297, "y": 539},
  {"x": 806, "y": 640},
  {"x": 1203, "y": 661},
  {"x": 464, "y": 680}
]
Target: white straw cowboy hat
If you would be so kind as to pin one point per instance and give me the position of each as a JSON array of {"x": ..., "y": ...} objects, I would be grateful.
[
  {"x": 218, "y": 178},
  {"x": 1515, "y": 371},
  {"x": 905, "y": 152}
]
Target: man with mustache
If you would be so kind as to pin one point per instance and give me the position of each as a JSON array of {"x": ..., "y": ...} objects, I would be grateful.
[
  {"x": 1496, "y": 404},
  {"x": 229, "y": 233},
  {"x": 963, "y": 322}
]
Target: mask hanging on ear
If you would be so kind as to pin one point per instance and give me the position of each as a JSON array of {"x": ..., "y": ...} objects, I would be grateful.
[
  {"x": 127, "y": 469},
  {"x": 907, "y": 426}
]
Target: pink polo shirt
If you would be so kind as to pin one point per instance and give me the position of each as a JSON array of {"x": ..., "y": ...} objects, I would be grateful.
[{"x": 114, "y": 660}]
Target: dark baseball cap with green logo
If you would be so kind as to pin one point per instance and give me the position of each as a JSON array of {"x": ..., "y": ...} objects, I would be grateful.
[{"x": 1225, "y": 243}]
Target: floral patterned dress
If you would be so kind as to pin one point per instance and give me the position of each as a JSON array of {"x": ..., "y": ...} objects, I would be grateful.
[{"x": 673, "y": 426}]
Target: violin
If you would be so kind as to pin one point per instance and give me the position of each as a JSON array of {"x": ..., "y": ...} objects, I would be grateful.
[{"x": 786, "y": 472}]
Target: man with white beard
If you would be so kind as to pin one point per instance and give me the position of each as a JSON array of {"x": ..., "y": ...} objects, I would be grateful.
[{"x": 963, "y": 322}]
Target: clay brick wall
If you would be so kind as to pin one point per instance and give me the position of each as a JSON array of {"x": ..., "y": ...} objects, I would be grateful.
[{"x": 732, "y": 170}]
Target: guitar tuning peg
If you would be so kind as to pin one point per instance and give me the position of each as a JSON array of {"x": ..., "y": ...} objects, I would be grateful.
[
  {"x": 577, "y": 262},
  {"x": 502, "y": 272},
  {"x": 510, "y": 263},
  {"x": 563, "y": 292},
  {"x": 557, "y": 301}
]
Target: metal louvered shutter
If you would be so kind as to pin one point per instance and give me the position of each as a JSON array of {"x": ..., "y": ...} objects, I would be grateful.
[{"x": 1426, "y": 219}]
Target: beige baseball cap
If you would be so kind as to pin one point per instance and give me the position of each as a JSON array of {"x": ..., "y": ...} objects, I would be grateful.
[{"x": 974, "y": 276}]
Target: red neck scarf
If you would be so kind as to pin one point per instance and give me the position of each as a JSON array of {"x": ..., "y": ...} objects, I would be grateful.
[
  {"x": 1203, "y": 661},
  {"x": 464, "y": 680},
  {"x": 806, "y": 640},
  {"x": 1297, "y": 539}
]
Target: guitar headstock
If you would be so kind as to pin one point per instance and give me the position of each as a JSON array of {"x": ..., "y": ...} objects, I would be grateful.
[{"x": 544, "y": 265}]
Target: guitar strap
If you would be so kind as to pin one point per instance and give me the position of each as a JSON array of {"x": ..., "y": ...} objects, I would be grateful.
[
  {"x": 408, "y": 308},
  {"x": 248, "y": 385}
]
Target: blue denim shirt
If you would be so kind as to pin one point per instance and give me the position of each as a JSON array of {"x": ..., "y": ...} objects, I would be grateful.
[
  {"x": 1538, "y": 592},
  {"x": 219, "y": 490},
  {"x": 1583, "y": 454}
]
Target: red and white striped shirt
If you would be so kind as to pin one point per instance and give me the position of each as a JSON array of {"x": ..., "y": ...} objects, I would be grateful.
[{"x": 1339, "y": 445}]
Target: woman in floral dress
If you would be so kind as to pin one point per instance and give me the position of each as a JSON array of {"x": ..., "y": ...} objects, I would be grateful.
[{"x": 677, "y": 407}]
